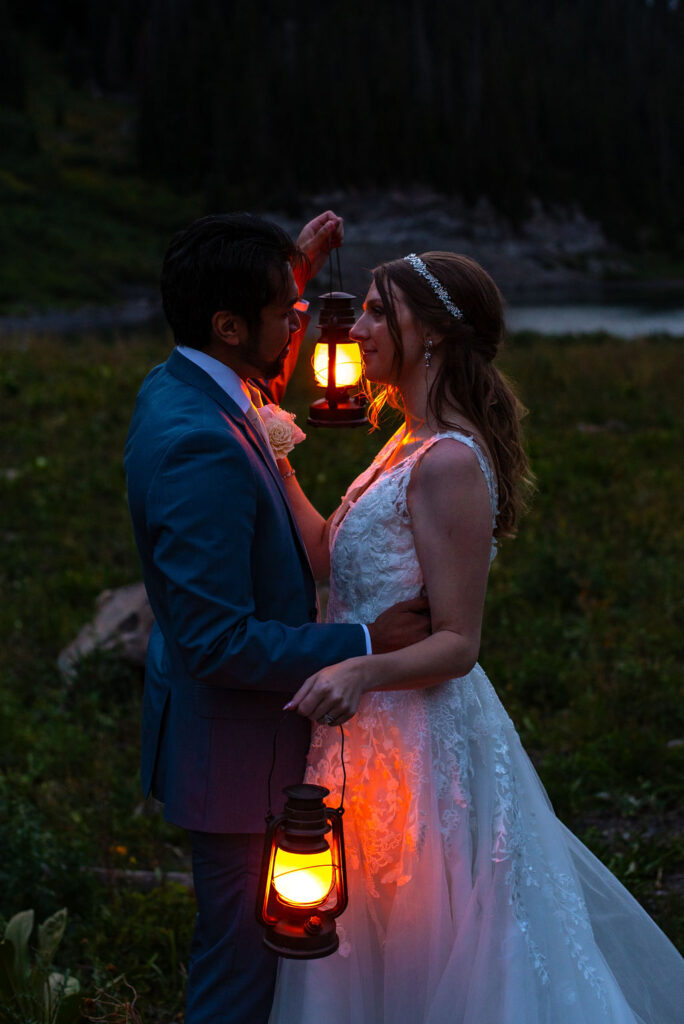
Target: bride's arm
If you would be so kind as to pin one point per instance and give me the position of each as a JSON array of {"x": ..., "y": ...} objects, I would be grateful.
[
  {"x": 315, "y": 530},
  {"x": 451, "y": 519},
  {"x": 452, "y": 528}
]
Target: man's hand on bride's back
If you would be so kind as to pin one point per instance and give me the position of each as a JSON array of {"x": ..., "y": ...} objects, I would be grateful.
[{"x": 403, "y": 624}]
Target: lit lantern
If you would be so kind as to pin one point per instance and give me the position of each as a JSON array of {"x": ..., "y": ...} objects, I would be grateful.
[
  {"x": 337, "y": 366},
  {"x": 303, "y": 885},
  {"x": 347, "y": 367}
]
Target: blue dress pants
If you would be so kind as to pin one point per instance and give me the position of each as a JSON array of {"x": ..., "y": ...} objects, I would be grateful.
[{"x": 231, "y": 977}]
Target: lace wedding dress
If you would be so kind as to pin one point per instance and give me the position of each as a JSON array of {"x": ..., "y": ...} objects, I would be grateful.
[{"x": 469, "y": 901}]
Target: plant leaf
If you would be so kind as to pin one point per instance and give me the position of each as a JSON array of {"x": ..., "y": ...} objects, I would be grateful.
[
  {"x": 50, "y": 934},
  {"x": 17, "y": 998},
  {"x": 38, "y": 994},
  {"x": 18, "y": 931},
  {"x": 69, "y": 1009}
]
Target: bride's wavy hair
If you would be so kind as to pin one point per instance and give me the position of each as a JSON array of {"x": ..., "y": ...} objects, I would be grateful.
[{"x": 467, "y": 377}]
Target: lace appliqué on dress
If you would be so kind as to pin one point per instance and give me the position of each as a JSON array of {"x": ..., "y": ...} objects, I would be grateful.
[{"x": 447, "y": 755}]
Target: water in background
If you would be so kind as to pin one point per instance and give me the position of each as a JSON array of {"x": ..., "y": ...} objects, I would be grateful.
[
  {"x": 619, "y": 312},
  {"x": 632, "y": 320}
]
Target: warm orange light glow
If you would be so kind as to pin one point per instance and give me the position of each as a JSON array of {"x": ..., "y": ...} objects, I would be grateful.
[
  {"x": 348, "y": 364},
  {"x": 303, "y": 879}
]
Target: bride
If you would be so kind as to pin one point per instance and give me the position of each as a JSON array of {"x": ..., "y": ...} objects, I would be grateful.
[{"x": 470, "y": 903}]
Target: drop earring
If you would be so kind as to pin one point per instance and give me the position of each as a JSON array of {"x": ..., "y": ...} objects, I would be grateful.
[{"x": 428, "y": 352}]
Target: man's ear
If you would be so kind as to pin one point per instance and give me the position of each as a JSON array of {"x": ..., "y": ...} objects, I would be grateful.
[{"x": 227, "y": 328}]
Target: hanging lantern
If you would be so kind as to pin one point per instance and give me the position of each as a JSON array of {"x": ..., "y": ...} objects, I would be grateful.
[
  {"x": 303, "y": 885},
  {"x": 338, "y": 365}
]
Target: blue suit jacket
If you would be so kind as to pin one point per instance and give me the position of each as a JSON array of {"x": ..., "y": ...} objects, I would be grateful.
[{"x": 234, "y": 599}]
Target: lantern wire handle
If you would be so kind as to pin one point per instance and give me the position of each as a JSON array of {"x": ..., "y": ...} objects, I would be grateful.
[
  {"x": 336, "y": 251},
  {"x": 269, "y": 814},
  {"x": 339, "y": 267},
  {"x": 340, "y": 809}
]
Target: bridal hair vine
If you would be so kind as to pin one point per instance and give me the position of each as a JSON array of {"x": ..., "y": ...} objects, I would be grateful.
[{"x": 439, "y": 289}]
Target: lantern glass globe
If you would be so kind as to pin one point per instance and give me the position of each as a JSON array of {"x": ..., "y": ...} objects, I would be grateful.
[
  {"x": 348, "y": 364},
  {"x": 303, "y": 879}
]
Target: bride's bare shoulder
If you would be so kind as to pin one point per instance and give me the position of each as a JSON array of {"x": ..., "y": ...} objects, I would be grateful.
[
  {"x": 447, "y": 473},
  {"x": 446, "y": 457}
]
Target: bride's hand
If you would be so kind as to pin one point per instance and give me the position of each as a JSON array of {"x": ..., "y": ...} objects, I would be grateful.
[{"x": 332, "y": 695}]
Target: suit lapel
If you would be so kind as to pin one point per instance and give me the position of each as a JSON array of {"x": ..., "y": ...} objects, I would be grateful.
[{"x": 195, "y": 376}]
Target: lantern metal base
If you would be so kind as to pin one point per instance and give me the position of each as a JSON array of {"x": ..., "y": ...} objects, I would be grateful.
[
  {"x": 294, "y": 940},
  {"x": 349, "y": 413}
]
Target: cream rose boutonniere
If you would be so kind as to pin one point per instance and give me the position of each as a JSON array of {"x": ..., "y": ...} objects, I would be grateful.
[{"x": 283, "y": 432}]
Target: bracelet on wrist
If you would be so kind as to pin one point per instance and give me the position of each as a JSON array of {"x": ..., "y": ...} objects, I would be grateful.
[{"x": 291, "y": 472}]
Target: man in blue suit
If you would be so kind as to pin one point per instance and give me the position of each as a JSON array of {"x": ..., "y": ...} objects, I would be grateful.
[{"x": 229, "y": 583}]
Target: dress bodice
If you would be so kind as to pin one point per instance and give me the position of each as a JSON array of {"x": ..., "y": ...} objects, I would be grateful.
[{"x": 373, "y": 556}]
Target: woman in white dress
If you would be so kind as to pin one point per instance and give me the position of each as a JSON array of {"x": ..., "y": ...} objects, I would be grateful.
[{"x": 470, "y": 903}]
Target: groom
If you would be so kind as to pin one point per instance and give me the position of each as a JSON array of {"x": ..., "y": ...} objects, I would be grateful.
[{"x": 230, "y": 584}]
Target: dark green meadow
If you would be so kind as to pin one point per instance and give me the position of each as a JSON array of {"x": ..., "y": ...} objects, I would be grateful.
[{"x": 583, "y": 634}]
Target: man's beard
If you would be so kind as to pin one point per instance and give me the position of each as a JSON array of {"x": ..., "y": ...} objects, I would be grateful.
[{"x": 267, "y": 369}]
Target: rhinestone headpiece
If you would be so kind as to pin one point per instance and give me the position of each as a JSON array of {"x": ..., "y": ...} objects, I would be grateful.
[{"x": 439, "y": 289}]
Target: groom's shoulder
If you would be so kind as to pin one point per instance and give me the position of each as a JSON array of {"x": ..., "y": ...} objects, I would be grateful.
[
  {"x": 170, "y": 409},
  {"x": 163, "y": 389},
  {"x": 156, "y": 380}
]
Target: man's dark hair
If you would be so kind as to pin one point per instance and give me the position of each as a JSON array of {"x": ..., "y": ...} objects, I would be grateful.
[{"x": 232, "y": 261}]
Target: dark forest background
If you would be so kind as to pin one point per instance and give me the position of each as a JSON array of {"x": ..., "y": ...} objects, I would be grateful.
[{"x": 568, "y": 101}]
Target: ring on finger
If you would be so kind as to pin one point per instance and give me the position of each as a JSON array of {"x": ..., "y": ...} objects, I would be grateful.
[{"x": 327, "y": 719}]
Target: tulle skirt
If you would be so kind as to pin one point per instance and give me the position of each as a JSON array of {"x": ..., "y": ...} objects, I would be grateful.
[{"x": 469, "y": 901}]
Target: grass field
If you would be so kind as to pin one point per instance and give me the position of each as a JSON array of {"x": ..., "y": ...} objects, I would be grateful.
[{"x": 583, "y": 633}]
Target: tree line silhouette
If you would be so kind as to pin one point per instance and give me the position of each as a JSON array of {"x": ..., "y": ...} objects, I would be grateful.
[{"x": 569, "y": 101}]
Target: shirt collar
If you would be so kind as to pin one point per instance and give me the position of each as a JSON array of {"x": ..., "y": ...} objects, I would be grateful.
[{"x": 226, "y": 378}]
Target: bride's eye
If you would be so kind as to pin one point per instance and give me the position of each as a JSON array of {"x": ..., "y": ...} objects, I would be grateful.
[{"x": 376, "y": 311}]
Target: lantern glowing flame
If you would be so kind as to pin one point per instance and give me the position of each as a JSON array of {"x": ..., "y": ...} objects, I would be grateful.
[
  {"x": 303, "y": 879},
  {"x": 348, "y": 364}
]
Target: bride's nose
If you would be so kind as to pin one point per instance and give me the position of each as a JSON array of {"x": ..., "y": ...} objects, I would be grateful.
[{"x": 359, "y": 331}]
